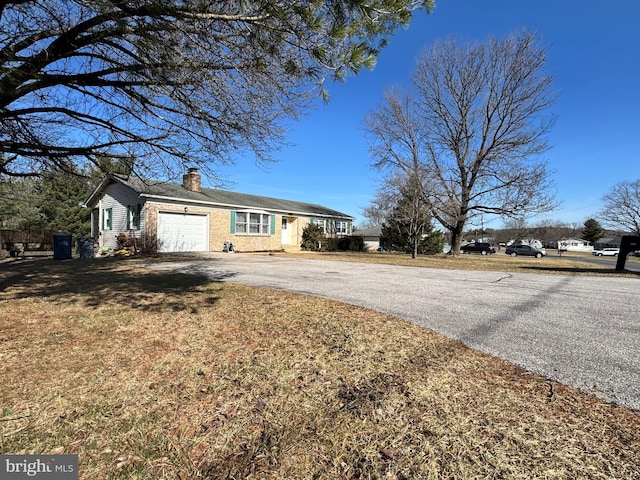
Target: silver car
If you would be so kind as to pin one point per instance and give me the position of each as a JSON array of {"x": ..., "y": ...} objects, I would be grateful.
[{"x": 611, "y": 252}]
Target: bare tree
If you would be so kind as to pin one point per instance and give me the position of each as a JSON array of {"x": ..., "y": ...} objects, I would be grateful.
[
  {"x": 397, "y": 140},
  {"x": 515, "y": 229},
  {"x": 549, "y": 231},
  {"x": 476, "y": 127},
  {"x": 381, "y": 205},
  {"x": 163, "y": 83},
  {"x": 621, "y": 207}
]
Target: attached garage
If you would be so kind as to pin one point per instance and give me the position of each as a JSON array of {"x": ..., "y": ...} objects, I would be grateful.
[{"x": 183, "y": 232}]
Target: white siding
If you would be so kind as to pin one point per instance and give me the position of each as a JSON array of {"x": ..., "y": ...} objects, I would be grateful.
[{"x": 118, "y": 197}]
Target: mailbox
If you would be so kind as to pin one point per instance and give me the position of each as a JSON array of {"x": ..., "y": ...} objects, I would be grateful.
[{"x": 627, "y": 245}]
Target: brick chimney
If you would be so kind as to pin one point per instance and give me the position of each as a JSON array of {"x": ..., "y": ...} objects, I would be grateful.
[{"x": 192, "y": 180}]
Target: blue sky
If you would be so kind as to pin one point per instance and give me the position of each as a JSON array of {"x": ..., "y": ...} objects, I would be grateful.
[{"x": 594, "y": 55}]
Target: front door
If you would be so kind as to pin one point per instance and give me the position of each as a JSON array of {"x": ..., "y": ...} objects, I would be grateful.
[{"x": 285, "y": 231}]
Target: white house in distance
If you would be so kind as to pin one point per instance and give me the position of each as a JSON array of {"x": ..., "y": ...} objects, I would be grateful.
[{"x": 575, "y": 245}]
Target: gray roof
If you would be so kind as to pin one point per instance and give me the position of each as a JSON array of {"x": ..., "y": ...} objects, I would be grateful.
[
  {"x": 374, "y": 231},
  {"x": 215, "y": 197}
]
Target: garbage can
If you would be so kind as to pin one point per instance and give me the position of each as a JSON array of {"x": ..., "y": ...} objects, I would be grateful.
[
  {"x": 85, "y": 247},
  {"x": 61, "y": 247}
]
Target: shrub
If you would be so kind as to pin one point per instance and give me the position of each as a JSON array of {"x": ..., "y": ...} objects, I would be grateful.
[
  {"x": 313, "y": 237},
  {"x": 332, "y": 245},
  {"x": 345, "y": 244},
  {"x": 356, "y": 243}
]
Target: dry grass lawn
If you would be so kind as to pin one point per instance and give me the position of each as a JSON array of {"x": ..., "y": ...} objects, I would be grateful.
[{"x": 147, "y": 375}]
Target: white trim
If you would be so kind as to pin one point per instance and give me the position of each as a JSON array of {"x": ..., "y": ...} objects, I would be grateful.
[
  {"x": 248, "y": 223},
  {"x": 246, "y": 210}
]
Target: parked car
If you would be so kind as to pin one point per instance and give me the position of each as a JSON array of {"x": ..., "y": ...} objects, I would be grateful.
[
  {"x": 612, "y": 252},
  {"x": 526, "y": 250},
  {"x": 478, "y": 247}
]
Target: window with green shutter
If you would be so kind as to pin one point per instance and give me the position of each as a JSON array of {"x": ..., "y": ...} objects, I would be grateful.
[
  {"x": 232, "y": 227},
  {"x": 107, "y": 219},
  {"x": 137, "y": 219},
  {"x": 321, "y": 222},
  {"x": 133, "y": 217},
  {"x": 342, "y": 228},
  {"x": 252, "y": 223}
]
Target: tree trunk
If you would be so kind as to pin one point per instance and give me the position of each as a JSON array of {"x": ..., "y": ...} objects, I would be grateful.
[{"x": 456, "y": 238}]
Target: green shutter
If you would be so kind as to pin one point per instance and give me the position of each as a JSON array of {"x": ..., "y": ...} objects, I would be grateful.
[
  {"x": 138, "y": 219},
  {"x": 104, "y": 214},
  {"x": 273, "y": 224},
  {"x": 232, "y": 228},
  {"x": 129, "y": 217}
]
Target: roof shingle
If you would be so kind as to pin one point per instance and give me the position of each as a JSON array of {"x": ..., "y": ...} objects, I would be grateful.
[{"x": 151, "y": 188}]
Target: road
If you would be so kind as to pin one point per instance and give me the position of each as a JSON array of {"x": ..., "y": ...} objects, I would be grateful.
[
  {"x": 582, "y": 331},
  {"x": 610, "y": 262}
]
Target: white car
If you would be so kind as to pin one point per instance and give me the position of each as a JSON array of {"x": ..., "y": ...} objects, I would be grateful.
[{"x": 611, "y": 252}]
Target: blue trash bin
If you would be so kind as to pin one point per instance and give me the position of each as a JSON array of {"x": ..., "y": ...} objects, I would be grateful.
[
  {"x": 61, "y": 247},
  {"x": 85, "y": 247}
]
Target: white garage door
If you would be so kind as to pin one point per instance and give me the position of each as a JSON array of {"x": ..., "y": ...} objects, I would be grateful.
[{"x": 181, "y": 232}]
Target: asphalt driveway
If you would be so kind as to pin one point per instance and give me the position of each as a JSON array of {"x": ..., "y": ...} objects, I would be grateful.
[{"x": 581, "y": 331}]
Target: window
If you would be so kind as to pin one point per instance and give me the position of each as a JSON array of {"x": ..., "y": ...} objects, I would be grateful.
[
  {"x": 341, "y": 228},
  {"x": 107, "y": 219},
  {"x": 321, "y": 223},
  {"x": 252, "y": 223},
  {"x": 133, "y": 217}
]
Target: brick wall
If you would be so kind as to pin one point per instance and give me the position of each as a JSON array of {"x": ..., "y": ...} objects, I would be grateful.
[{"x": 219, "y": 229}]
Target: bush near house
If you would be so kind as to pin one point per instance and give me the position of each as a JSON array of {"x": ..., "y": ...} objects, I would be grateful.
[
  {"x": 353, "y": 243},
  {"x": 313, "y": 238}
]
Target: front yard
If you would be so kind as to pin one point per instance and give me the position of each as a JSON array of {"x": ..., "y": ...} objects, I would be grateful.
[{"x": 147, "y": 375}]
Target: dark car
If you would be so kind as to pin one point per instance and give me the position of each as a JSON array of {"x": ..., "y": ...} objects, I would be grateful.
[
  {"x": 478, "y": 247},
  {"x": 526, "y": 250}
]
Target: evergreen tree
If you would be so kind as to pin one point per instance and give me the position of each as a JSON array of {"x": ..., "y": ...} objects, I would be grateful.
[
  {"x": 53, "y": 200},
  {"x": 395, "y": 236},
  {"x": 61, "y": 199},
  {"x": 593, "y": 231},
  {"x": 432, "y": 242},
  {"x": 19, "y": 200},
  {"x": 408, "y": 227}
]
